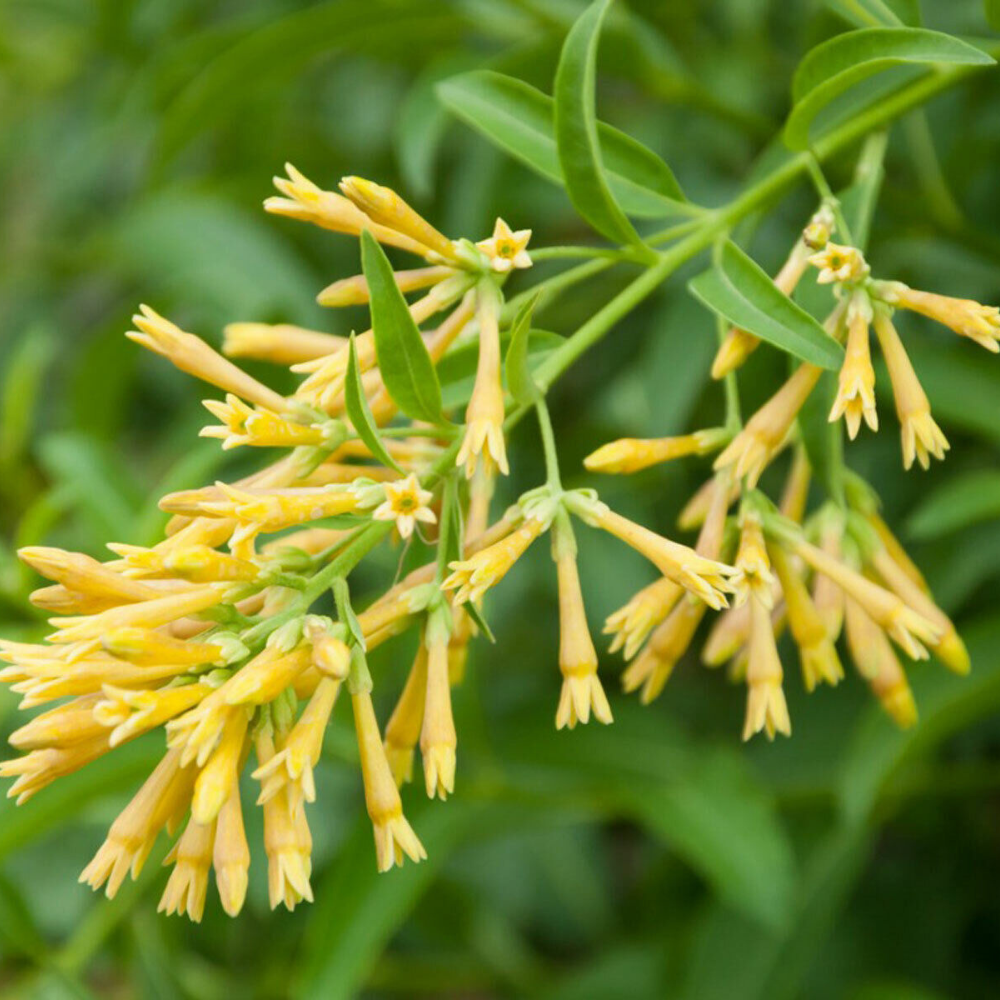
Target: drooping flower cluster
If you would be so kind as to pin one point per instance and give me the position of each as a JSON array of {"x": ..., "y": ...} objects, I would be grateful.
[{"x": 212, "y": 635}]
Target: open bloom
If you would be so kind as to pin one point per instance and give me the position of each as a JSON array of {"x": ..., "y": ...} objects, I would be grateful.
[
  {"x": 506, "y": 249},
  {"x": 838, "y": 264},
  {"x": 406, "y": 504}
]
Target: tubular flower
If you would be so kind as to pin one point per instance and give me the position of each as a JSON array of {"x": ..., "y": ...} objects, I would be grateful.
[
  {"x": 817, "y": 653},
  {"x": 766, "y": 706},
  {"x": 633, "y": 454},
  {"x": 355, "y": 292},
  {"x": 437, "y": 733},
  {"x": 279, "y": 343},
  {"x": 705, "y": 578},
  {"x": 630, "y": 625},
  {"x": 188, "y": 883},
  {"x": 393, "y": 835},
  {"x": 965, "y": 316},
  {"x": 873, "y": 655},
  {"x": 582, "y": 692},
  {"x": 738, "y": 344},
  {"x": 752, "y": 449},
  {"x": 402, "y": 731},
  {"x": 856, "y": 383},
  {"x": 241, "y": 424},
  {"x": 921, "y": 436},
  {"x": 753, "y": 570},
  {"x": 484, "y": 440},
  {"x": 908, "y": 629}
]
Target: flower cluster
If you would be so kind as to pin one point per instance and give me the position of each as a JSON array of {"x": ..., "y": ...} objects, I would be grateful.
[{"x": 211, "y": 636}]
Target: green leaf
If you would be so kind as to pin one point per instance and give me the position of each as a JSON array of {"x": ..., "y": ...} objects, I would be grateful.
[
  {"x": 957, "y": 503},
  {"x": 739, "y": 291},
  {"x": 406, "y": 367},
  {"x": 992, "y": 13},
  {"x": 519, "y": 379},
  {"x": 576, "y": 129},
  {"x": 452, "y": 531},
  {"x": 520, "y": 120},
  {"x": 356, "y": 403},
  {"x": 345, "y": 611},
  {"x": 477, "y": 616},
  {"x": 835, "y": 66},
  {"x": 873, "y": 13},
  {"x": 858, "y": 202},
  {"x": 723, "y": 824}
]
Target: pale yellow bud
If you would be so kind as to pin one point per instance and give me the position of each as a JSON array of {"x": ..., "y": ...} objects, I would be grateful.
[
  {"x": 472, "y": 577},
  {"x": 753, "y": 570},
  {"x": 281, "y": 343},
  {"x": 354, "y": 291},
  {"x": 231, "y": 855},
  {"x": 856, "y": 383},
  {"x": 220, "y": 774},
  {"x": 438, "y": 740},
  {"x": 766, "y": 706},
  {"x": 633, "y": 454},
  {"x": 965, "y": 316},
  {"x": 403, "y": 728},
  {"x": 653, "y": 666},
  {"x": 188, "y": 883}
]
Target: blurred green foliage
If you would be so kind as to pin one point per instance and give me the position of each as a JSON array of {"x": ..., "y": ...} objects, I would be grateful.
[{"x": 656, "y": 857}]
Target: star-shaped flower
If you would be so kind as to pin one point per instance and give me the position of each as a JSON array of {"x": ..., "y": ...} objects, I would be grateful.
[
  {"x": 505, "y": 248},
  {"x": 405, "y": 503}
]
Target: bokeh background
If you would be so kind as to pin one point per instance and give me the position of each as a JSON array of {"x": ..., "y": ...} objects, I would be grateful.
[{"x": 654, "y": 858}]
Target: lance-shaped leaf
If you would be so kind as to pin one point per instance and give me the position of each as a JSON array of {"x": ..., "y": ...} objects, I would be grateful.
[
  {"x": 406, "y": 367},
  {"x": 519, "y": 378},
  {"x": 836, "y": 65},
  {"x": 521, "y": 121},
  {"x": 576, "y": 129},
  {"x": 739, "y": 291},
  {"x": 993, "y": 13},
  {"x": 359, "y": 412}
]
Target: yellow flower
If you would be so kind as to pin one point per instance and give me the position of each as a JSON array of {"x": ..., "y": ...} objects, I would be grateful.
[
  {"x": 403, "y": 728},
  {"x": 437, "y": 734},
  {"x": 192, "y": 355},
  {"x": 653, "y": 666},
  {"x": 705, "y": 578},
  {"x": 354, "y": 291},
  {"x": 877, "y": 663},
  {"x": 766, "y": 706},
  {"x": 64, "y": 726},
  {"x": 472, "y": 577},
  {"x": 304, "y": 200},
  {"x": 394, "y": 836},
  {"x": 287, "y": 841},
  {"x": 506, "y": 249},
  {"x": 263, "y": 428},
  {"x": 83, "y": 575},
  {"x": 582, "y": 692},
  {"x": 220, "y": 774},
  {"x": 231, "y": 855},
  {"x": 818, "y": 655},
  {"x": 291, "y": 768},
  {"x": 633, "y": 454},
  {"x": 631, "y": 624},
  {"x": 130, "y": 713},
  {"x": 188, "y": 883},
  {"x": 765, "y": 432},
  {"x": 965, "y": 316},
  {"x": 921, "y": 436},
  {"x": 826, "y": 594},
  {"x": 265, "y": 676},
  {"x": 384, "y": 206},
  {"x": 484, "y": 438},
  {"x": 949, "y": 648},
  {"x": 906, "y": 627},
  {"x": 146, "y": 647},
  {"x": 405, "y": 503},
  {"x": 838, "y": 263},
  {"x": 753, "y": 570},
  {"x": 856, "y": 383},
  {"x": 162, "y": 799},
  {"x": 280, "y": 343},
  {"x": 695, "y": 511},
  {"x": 795, "y": 494}
]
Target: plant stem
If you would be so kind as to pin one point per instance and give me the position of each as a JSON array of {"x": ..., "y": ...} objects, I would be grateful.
[{"x": 548, "y": 445}]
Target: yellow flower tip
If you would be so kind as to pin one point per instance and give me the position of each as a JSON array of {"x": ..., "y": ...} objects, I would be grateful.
[
  {"x": 898, "y": 701},
  {"x": 472, "y": 577},
  {"x": 951, "y": 651},
  {"x": 737, "y": 346},
  {"x": 631, "y": 624},
  {"x": 406, "y": 503},
  {"x": 231, "y": 855},
  {"x": 767, "y": 710},
  {"x": 484, "y": 445},
  {"x": 855, "y": 398},
  {"x": 384, "y": 206},
  {"x": 965, "y": 317},
  {"x": 394, "y": 840},
  {"x": 753, "y": 569},
  {"x": 632, "y": 454},
  {"x": 921, "y": 439},
  {"x": 187, "y": 886},
  {"x": 506, "y": 249},
  {"x": 837, "y": 263},
  {"x": 439, "y": 771},
  {"x": 820, "y": 665}
]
